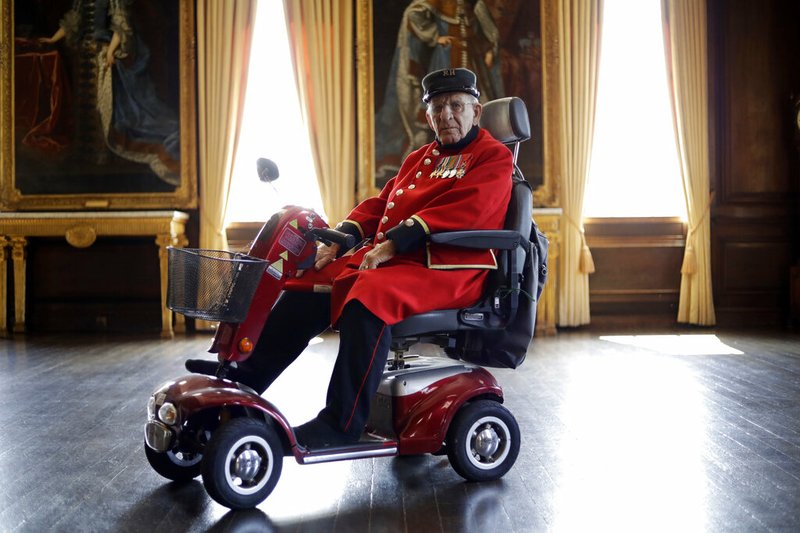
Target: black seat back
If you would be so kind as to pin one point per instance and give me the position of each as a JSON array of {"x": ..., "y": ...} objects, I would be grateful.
[{"x": 507, "y": 120}]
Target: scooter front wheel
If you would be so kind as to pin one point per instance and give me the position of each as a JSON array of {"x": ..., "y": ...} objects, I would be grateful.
[
  {"x": 483, "y": 441},
  {"x": 242, "y": 464},
  {"x": 177, "y": 466}
]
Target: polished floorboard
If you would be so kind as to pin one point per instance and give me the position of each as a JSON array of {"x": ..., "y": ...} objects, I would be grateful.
[{"x": 691, "y": 430}]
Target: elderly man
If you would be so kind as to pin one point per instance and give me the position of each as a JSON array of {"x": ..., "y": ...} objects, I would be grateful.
[{"x": 460, "y": 181}]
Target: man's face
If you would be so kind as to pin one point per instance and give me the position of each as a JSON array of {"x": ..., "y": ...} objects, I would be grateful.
[{"x": 452, "y": 115}]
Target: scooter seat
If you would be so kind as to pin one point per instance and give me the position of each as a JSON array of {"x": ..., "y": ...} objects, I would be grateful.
[{"x": 423, "y": 323}]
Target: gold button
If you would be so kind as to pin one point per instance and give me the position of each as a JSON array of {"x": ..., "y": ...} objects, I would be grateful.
[
  {"x": 418, "y": 174},
  {"x": 412, "y": 186},
  {"x": 384, "y": 220},
  {"x": 380, "y": 236},
  {"x": 409, "y": 222},
  {"x": 427, "y": 161},
  {"x": 390, "y": 205},
  {"x": 399, "y": 192}
]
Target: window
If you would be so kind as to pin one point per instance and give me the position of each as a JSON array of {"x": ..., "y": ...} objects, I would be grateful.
[
  {"x": 272, "y": 127},
  {"x": 634, "y": 170}
]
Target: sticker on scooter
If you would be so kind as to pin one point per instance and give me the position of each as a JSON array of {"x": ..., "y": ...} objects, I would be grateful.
[
  {"x": 275, "y": 269},
  {"x": 292, "y": 241}
]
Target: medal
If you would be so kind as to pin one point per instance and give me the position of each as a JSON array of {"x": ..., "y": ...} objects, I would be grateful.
[{"x": 463, "y": 164}]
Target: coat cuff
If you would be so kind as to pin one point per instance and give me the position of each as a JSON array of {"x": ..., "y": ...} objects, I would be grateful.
[
  {"x": 409, "y": 234},
  {"x": 351, "y": 228}
]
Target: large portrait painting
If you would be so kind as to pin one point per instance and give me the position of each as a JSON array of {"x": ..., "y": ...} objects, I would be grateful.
[
  {"x": 505, "y": 42},
  {"x": 97, "y": 106}
]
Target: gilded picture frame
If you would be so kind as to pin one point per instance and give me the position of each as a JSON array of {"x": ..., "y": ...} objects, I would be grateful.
[
  {"x": 378, "y": 45},
  {"x": 72, "y": 132}
]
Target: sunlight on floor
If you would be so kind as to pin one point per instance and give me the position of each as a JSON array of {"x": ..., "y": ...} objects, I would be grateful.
[
  {"x": 631, "y": 422},
  {"x": 676, "y": 344}
]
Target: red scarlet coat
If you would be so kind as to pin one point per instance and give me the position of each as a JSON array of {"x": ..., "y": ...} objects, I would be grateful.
[{"x": 435, "y": 190}]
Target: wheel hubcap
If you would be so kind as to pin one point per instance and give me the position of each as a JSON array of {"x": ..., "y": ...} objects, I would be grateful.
[
  {"x": 247, "y": 465},
  {"x": 488, "y": 443}
]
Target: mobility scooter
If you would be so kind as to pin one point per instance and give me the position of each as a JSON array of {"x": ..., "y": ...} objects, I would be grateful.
[{"x": 236, "y": 440}]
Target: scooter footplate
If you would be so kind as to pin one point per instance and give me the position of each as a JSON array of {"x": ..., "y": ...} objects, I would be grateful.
[{"x": 363, "y": 449}]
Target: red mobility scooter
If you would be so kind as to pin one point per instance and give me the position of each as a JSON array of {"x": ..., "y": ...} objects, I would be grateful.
[{"x": 224, "y": 431}]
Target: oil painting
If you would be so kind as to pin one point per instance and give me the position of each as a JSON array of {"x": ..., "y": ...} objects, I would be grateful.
[
  {"x": 400, "y": 41},
  {"x": 99, "y": 111}
]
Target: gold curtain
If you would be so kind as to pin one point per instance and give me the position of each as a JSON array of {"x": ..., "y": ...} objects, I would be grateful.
[
  {"x": 224, "y": 31},
  {"x": 579, "y": 49},
  {"x": 686, "y": 49},
  {"x": 321, "y": 36}
]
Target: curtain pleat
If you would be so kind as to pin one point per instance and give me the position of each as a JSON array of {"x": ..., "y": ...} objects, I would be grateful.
[
  {"x": 686, "y": 49},
  {"x": 224, "y": 31},
  {"x": 321, "y": 35},
  {"x": 579, "y": 50}
]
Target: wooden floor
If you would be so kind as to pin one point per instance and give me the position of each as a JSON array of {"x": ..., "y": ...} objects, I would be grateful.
[{"x": 690, "y": 432}]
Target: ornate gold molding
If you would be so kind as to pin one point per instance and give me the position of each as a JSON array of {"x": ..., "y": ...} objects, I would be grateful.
[
  {"x": 18, "y": 260},
  {"x": 6, "y": 77},
  {"x": 365, "y": 94},
  {"x": 117, "y": 223},
  {"x": 549, "y": 223},
  {"x": 81, "y": 236},
  {"x": 4, "y": 243},
  {"x": 547, "y": 195}
]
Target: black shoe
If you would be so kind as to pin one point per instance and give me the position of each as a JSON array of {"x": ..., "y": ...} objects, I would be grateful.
[
  {"x": 316, "y": 434},
  {"x": 200, "y": 366}
]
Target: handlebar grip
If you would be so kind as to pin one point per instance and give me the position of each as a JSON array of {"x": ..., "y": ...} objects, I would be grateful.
[{"x": 328, "y": 236}]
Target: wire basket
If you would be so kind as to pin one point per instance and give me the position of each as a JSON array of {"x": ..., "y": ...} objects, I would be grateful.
[{"x": 212, "y": 284}]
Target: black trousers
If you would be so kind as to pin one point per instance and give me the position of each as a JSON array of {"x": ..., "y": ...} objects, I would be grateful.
[{"x": 364, "y": 341}]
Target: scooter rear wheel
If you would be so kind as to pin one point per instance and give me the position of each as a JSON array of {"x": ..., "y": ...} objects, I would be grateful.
[
  {"x": 483, "y": 441},
  {"x": 243, "y": 463}
]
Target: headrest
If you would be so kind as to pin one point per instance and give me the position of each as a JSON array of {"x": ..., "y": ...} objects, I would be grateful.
[
  {"x": 506, "y": 119},
  {"x": 449, "y": 80}
]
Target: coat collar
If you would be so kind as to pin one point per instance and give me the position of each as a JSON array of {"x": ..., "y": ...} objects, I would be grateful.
[{"x": 460, "y": 145}]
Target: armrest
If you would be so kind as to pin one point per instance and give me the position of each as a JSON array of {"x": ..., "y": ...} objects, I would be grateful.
[{"x": 501, "y": 239}]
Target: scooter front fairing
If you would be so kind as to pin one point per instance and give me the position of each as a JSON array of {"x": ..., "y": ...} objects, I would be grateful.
[{"x": 288, "y": 243}]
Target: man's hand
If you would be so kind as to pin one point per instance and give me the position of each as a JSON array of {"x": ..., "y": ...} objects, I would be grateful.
[
  {"x": 380, "y": 254},
  {"x": 325, "y": 255}
]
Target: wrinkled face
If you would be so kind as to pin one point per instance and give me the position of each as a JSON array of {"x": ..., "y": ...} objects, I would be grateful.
[{"x": 452, "y": 115}]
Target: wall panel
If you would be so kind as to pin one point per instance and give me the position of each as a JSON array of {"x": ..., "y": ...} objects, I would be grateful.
[{"x": 754, "y": 66}]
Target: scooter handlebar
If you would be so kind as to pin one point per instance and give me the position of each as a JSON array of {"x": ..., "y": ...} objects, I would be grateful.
[{"x": 329, "y": 236}]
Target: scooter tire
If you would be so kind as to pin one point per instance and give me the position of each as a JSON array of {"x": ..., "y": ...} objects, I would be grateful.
[
  {"x": 172, "y": 466},
  {"x": 483, "y": 441},
  {"x": 242, "y": 463}
]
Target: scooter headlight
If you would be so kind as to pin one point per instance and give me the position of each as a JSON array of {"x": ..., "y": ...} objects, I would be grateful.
[
  {"x": 151, "y": 408},
  {"x": 168, "y": 414}
]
